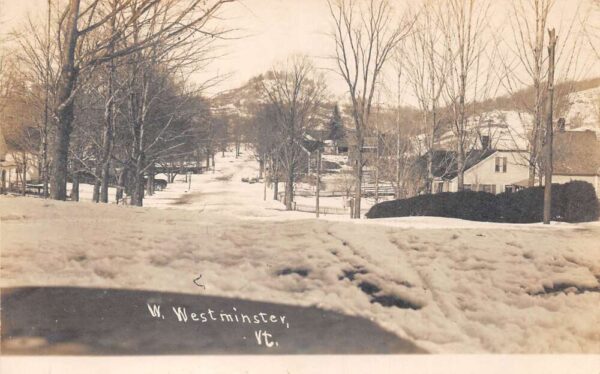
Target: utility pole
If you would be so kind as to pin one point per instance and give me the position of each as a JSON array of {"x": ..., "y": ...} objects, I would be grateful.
[
  {"x": 318, "y": 180},
  {"x": 398, "y": 153},
  {"x": 548, "y": 140},
  {"x": 47, "y": 89}
]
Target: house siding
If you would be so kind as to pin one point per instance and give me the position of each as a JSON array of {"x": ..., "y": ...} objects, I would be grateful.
[
  {"x": 10, "y": 166},
  {"x": 484, "y": 173}
]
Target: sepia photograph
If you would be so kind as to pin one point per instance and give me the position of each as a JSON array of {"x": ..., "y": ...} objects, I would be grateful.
[{"x": 299, "y": 186}]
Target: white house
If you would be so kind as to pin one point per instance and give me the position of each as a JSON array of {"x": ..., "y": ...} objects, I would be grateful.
[
  {"x": 15, "y": 165},
  {"x": 495, "y": 173},
  {"x": 576, "y": 156}
]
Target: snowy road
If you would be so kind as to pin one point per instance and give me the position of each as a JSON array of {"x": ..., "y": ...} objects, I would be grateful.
[{"x": 447, "y": 285}]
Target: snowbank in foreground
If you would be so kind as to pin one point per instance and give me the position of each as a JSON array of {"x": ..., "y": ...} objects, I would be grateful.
[{"x": 470, "y": 287}]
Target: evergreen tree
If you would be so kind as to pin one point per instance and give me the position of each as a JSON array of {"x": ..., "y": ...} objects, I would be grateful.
[{"x": 335, "y": 125}]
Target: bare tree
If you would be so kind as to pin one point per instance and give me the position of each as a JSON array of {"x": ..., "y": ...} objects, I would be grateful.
[
  {"x": 427, "y": 64},
  {"x": 464, "y": 25},
  {"x": 79, "y": 20},
  {"x": 296, "y": 92},
  {"x": 364, "y": 35},
  {"x": 525, "y": 64}
]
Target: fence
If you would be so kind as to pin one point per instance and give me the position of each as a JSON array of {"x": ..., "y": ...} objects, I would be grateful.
[{"x": 324, "y": 210}]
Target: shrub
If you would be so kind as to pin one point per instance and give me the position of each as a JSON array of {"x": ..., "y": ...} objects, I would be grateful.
[
  {"x": 478, "y": 206},
  {"x": 580, "y": 203},
  {"x": 572, "y": 202}
]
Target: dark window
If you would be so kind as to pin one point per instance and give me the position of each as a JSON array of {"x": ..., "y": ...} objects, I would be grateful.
[
  {"x": 508, "y": 189},
  {"x": 467, "y": 187},
  {"x": 500, "y": 164},
  {"x": 491, "y": 188}
]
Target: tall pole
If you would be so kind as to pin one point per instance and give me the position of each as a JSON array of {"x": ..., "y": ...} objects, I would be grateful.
[
  {"x": 47, "y": 88},
  {"x": 318, "y": 180},
  {"x": 550, "y": 106},
  {"x": 398, "y": 153},
  {"x": 377, "y": 154}
]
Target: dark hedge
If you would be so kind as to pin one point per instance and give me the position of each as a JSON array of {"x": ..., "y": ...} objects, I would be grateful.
[{"x": 571, "y": 202}]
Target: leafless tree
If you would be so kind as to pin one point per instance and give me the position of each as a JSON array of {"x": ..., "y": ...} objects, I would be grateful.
[
  {"x": 296, "y": 92},
  {"x": 427, "y": 66},
  {"x": 81, "y": 20},
  {"x": 524, "y": 63},
  {"x": 464, "y": 25},
  {"x": 365, "y": 35}
]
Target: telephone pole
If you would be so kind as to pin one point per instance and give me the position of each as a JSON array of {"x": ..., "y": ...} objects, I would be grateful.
[
  {"x": 318, "y": 180},
  {"x": 548, "y": 139}
]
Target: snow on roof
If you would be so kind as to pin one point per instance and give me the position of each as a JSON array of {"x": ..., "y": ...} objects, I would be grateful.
[{"x": 576, "y": 153}]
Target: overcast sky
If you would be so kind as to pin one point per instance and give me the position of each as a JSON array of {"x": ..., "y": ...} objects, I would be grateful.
[{"x": 271, "y": 30}]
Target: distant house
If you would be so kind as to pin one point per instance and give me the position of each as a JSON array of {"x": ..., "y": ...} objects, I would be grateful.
[
  {"x": 370, "y": 146},
  {"x": 576, "y": 156},
  {"x": 330, "y": 146},
  {"x": 16, "y": 166}
]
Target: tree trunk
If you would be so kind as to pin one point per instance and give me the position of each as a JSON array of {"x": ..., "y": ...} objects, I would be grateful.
[
  {"x": 429, "y": 182},
  {"x": 107, "y": 148},
  {"x": 121, "y": 186},
  {"x": 289, "y": 188},
  {"x": 97, "y": 184},
  {"x": 150, "y": 183},
  {"x": 460, "y": 165},
  {"x": 137, "y": 198},
  {"x": 261, "y": 169},
  {"x": 64, "y": 110},
  {"x": 275, "y": 182},
  {"x": 24, "y": 180},
  {"x": 75, "y": 187},
  {"x": 358, "y": 179}
]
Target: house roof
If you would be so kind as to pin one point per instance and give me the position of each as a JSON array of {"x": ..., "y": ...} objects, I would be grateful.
[
  {"x": 576, "y": 153},
  {"x": 444, "y": 163}
]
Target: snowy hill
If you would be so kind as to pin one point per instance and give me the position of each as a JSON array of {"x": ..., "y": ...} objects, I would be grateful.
[
  {"x": 584, "y": 110},
  {"x": 509, "y": 129}
]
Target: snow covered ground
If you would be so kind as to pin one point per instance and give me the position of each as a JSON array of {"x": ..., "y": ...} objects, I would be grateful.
[{"x": 450, "y": 286}]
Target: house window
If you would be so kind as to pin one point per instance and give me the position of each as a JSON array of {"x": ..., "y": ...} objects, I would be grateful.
[
  {"x": 439, "y": 187},
  {"x": 467, "y": 187},
  {"x": 509, "y": 189},
  {"x": 491, "y": 188},
  {"x": 500, "y": 164}
]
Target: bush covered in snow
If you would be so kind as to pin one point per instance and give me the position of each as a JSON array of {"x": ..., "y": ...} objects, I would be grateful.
[
  {"x": 575, "y": 201},
  {"x": 580, "y": 202},
  {"x": 471, "y": 205},
  {"x": 527, "y": 206}
]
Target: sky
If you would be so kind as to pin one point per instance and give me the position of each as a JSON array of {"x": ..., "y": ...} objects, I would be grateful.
[{"x": 268, "y": 31}]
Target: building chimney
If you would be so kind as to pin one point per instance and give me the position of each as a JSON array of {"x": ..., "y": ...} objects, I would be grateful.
[{"x": 485, "y": 142}]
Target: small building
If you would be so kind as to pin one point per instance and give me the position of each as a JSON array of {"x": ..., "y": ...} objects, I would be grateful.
[
  {"x": 576, "y": 156},
  {"x": 16, "y": 165}
]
